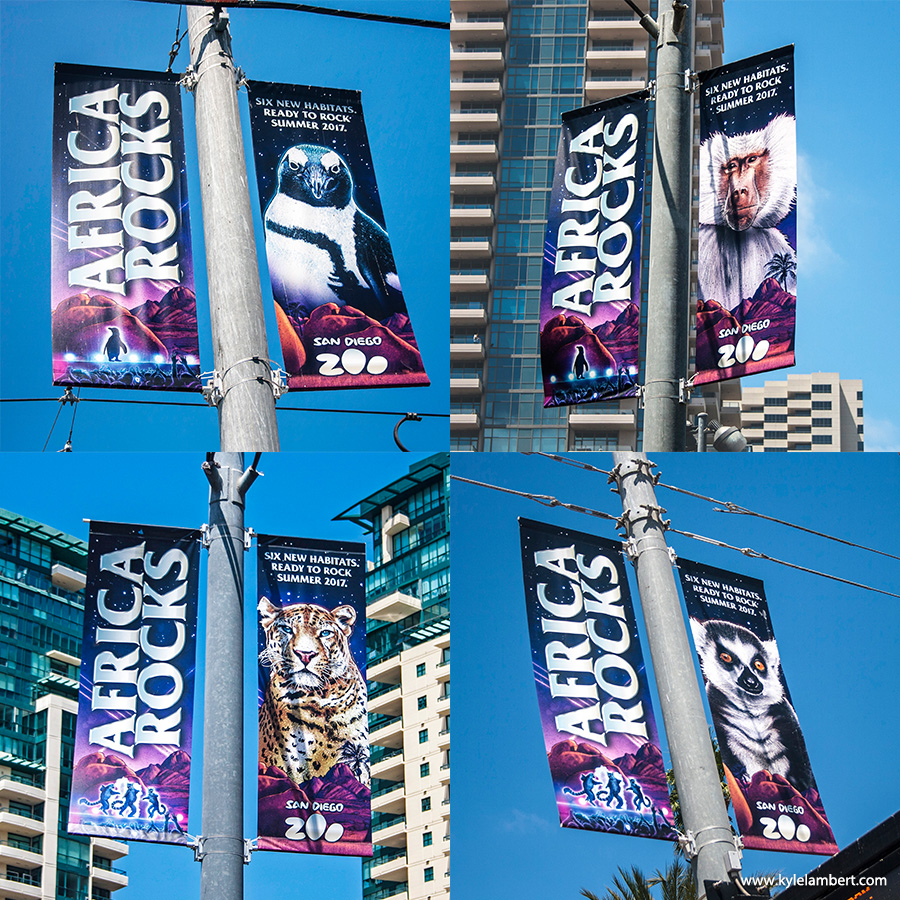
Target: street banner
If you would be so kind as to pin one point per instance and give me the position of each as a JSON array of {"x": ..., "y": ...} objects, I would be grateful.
[
  {"x": 124, "y": 314},
  {"x": 314, "y": 786},
  {"x": 132, "y": 768},
  {"x": 773, "y": 793},
  {"x": 596, "y": 712},
  {"x": 747, "y": 264},
  {"x": 591, "y": 275},
  {"x": 341, "y": 314}
]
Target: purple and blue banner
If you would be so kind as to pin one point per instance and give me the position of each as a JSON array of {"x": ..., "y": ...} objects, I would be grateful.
[
  {"x": 596, "y": 712},
  {"x": 747, "y": 263},
  {"x": 591, "y": 275},
  {"x": 314, "y": 786},
  {"x": 341, "y": 314},
  {"x": 773, "y": 793},
  {"x": 123, "y": 310},
  {"x": 132, "y": 764}
]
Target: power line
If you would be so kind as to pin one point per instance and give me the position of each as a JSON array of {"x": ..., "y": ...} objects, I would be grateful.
[
  {"x": 307, "y": 8},
  {"x": 370, "y": 412},
  {"x": 546, "y": 500},
  {"x": 728, "y": 506}
]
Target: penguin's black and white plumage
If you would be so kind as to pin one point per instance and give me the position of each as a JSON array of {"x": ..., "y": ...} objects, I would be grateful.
[
  {"x": 321, "y": 247},
  {"x": 115, "y": 346}
]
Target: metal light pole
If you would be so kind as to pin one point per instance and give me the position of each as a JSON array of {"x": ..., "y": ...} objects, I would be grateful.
[
  {"x": 668, "y": 294},
  {"x": 244, "y": 392},
  {"x": 221, "y": 849},
  {"x": 711, "y": 845}
]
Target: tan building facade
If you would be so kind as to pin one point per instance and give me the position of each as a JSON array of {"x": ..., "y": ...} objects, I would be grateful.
[{"x": 820, "y": 412}]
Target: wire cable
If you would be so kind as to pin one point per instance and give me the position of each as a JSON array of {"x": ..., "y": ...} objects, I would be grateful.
[
  {"x": 727, "y": 506},
  {"x": 307, "y": 8},
  {"x": 58, "y": 411},
  {"x": 546, "y": 500},
  {"x": 370, "y": 412}
]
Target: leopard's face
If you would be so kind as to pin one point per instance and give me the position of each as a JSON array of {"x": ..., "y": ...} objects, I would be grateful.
[{"x": 306, "y": 645}]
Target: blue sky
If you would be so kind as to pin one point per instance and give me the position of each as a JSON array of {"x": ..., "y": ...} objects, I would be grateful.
[
  {"x": 837, "y": 644},
  {"x": 847, "y": 315},
  {"x": 297, "y": 496},
  {"x": 402, "y": 72}
]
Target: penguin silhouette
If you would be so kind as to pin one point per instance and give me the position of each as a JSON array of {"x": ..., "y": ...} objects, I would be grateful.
[
  {"x": 115, "y": 346},
  {"x": 579, "y": 367}
]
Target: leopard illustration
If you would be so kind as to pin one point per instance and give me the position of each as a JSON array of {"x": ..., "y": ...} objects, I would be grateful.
[{"x": 314, "y": 713}]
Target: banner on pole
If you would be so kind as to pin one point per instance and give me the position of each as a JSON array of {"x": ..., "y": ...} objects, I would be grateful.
[
  {"x": 314, "y": 774},
  {"x": 341, "y": 315},
  {"x": 124, "y": 312},
  {"x": 595, "y": 706},
  {"x": 773, "y": 792},
  {"x": 747, "y": 264},
  {"x": 132, "y": 764},
  {"x": 591, "y": 274}
]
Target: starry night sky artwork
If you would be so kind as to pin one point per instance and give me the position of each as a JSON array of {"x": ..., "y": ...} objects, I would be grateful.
[
  {"x": 342, "y": 317},
  {"x": 747, "y": 258},
  {"x": 123, "y": 307},
  {"x": 774, "y": 796},
  {"x": 595, "y": 705}
]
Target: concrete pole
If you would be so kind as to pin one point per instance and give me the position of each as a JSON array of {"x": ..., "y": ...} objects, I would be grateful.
[
  {"x": 222, "y": 848},
  {"x": 699, "y": 790},
  {"x": 247, "y": 405},
  {"x": 668, "y": 296}
]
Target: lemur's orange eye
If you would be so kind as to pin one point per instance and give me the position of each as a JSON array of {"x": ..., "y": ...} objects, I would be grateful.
[
  {"x": 726, "y": 657},
  {"x": 759, "y": 665}
]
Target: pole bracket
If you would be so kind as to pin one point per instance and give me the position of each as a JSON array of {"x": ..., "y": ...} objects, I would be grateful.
[
  {"x": 249, "y": 534},
  {"x": 653, "y": 514},
  {"x": 250, "y": 844},
  {"x": 644, "y": 469},
  {"x": 189, "y": 80},
  {"x": 685, "y": 387},
  {"x": 205, "y": 540},
  {"x": 691, "y": 81},
  {"x": 215, "y": 391}
]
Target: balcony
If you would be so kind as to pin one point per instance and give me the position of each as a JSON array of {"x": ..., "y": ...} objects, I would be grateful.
[
  {"x": 385, "y": 704},
  {"x": 393, "y": 607},
  {"x": 482, "y": 152},
  {"x": 109, "y": 848},
  {"x": 386, "y": 732},
  {"x": 605, "y": 88},
  {"x": 486, "y": 120},
  {"x": 21, "y": 822},
  {"x": 471, "y": 215},
  {"x": 395, "y": 524},
  {"x": 474, "y": 248},
  {"x": 468, "y": 30},
  {"x": 108, "y": 877},
  {"x": 19, "y": 856},
  {"x": 469, "y": 281},
  {"x": 389, "y": 800},
  {"x": 391, "y": 833},
  {"x": 479, "y": 6},
  {"x": 15, "y": 886},
  {"x": 464, "y": 421},
  {"x": 466, "y": 351},
  {"x": 387, "y": 670},
  {"x": 486, "y": 88},
  {"x": 474, "y": 59},
  {"x": 463, "y": 386},
  {"x": 590, "y": 421},
  {"x": 619, "y": 28},
  {"x": 474, "y": 316},
  {"x": 599, "y": 58},
  {"x": 390, "y": 866},
  {"x": 390, "y": 766},
  {"x": 474, "y": 183},
  {"x": 11, "y": 788}
]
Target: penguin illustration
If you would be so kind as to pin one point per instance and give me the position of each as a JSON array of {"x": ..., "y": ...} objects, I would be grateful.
[
  {"x": 579, "y": 367},
  {"x": 321, "y": 247},
  {"x": 115, "y": 346}
]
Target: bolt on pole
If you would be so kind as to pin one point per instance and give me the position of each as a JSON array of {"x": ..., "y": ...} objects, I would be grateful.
[
  {"x": 222, "y": 846},
  {"x": 696, "y": 774},
  {"x": 668, "y": 293},
  {"x": 247, "y": 403}
]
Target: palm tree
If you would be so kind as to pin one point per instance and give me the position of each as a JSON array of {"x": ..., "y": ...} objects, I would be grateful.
[
  {"x": 675, "y": 883},
  {"x": 781, "y": 267}
]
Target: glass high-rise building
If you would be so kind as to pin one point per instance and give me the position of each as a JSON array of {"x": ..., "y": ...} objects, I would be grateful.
[
  {"x": 515, "y": 66},
  {"x": 408, "y": 641},
  {"x": 42, "y": 574}
]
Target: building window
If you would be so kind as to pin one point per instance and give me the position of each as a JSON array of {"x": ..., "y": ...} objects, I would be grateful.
[
  {"x": 427, "y": 839},
  {"x": 821, "y": 423},
  {"x": 859, "y": 412},
  {"x": 423, "y": 736},
  {"x": 424, "y": 770},
  {"x": 821, "y": 439},
  {"x": 821, "y": 388},
  {"x": 775, "y": 401},
  {"x": 821, "y": 404},
  {"x": 775, "y": 417},
  {"x": 429, "y": 873},
  {"x": 775, "y": 435},
  {"x": 426, "y": 804},
  {"x": 859, "y": 396},
  {"x": 859, "y": 446},
  {"x": 420, "y": 670},
  {"x": 422, "y": 702}
]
